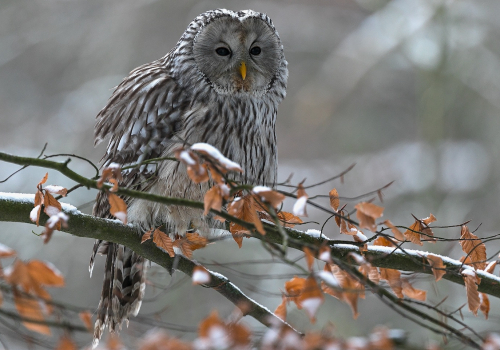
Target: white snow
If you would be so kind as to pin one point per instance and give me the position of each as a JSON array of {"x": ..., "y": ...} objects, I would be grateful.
[
  {"x": 54, "y": 189},
  {"x": 361, "y": 236},
  {"x": 34, "y": 213},
  {"x": 6, "y": 250},
  {"x": 325, "y": 256},
  {"x": 215, "y": 154},
  {"x": 358, "y": 258},
  {"x": 200, "y": 277},
  {"x": 311, "y": 305},
  {"x": 329, "y": 279},
  {"x": 51, "y": 210},
  {"x": 468, "y": 272},
  {"x": 315, "y": 233},
  {"x": 186, "y": 158},
  {"x": 30, "y": 198},
  {"x": 54, "y": 219},
  {"x": 259, "y": 189},
  {"x": 299, "y": 208}
]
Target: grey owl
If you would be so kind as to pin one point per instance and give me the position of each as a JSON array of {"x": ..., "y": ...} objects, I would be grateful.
[{"x": 221, "y": 84}]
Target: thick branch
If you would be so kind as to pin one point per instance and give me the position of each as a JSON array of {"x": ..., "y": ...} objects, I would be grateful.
[
  {"x": 83, "y": 225},
  {"x": 111, "y": 230}
]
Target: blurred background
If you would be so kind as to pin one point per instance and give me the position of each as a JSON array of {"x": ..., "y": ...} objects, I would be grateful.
[{"x": 408, "y": 90}]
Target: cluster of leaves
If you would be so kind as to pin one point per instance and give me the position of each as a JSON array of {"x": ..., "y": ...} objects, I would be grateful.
[
  {"x": 51, "y": 207},
  {"x": 27, "y": 281}
]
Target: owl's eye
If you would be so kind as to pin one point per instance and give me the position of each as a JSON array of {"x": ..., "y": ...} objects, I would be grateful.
[
  {"x": 255, "y": 51},
  {"x": 222, "y": 51}
]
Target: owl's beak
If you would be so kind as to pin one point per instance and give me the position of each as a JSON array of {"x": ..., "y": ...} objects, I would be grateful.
[{"x": 243, "y": 70}]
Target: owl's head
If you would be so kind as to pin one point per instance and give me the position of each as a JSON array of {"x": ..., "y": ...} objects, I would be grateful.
[{"x": 239, "y": 52}]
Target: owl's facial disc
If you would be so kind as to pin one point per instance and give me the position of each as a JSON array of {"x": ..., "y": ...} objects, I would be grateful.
[{"x": 238, "y": 56}]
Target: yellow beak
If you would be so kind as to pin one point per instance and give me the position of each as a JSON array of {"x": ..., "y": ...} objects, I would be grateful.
[{"x": 243, "y": 70}]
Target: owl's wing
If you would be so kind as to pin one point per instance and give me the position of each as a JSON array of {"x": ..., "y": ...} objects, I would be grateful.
[{"x": 140, "y": 118}]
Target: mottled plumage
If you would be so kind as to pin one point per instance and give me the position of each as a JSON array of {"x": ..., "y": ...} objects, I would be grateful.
[{"x": 221, "y": 84}]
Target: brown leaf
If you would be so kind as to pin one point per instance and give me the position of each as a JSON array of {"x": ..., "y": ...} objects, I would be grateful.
[
  {"x": 51, "y": 205},
  {"x": 367, "y": 213},
  {"x": 86, "y": 318},
  {"x": 412, "y": 236},
  {"x": 114, "y": 342},
  {"x": 485, "y": 304},
  {"x": 325, "y": 254},
  {"x": 146, "y": 236},
  {"x": 65, "y": 343},
  {"x": 268, "y": 195},
  {"x": 244, "y": 209},
  {"x": 474, "y": 247},
  {"x": 397, "y": 233},
  {"x": 35, "y": 213},
  {"x": 43, "y": 180},
  {"x": 334, "y": 199},
  {"x": 6, "y": 252},
  {"x": 429, "y": 219},
  {"x": 280, "y": 311},
  {"x": 54, "y": 223},
  {"x": 216, "y": 174},
  {"x": 299, "y": 208},
  {"x": 294, "y": 288},
  {"x": 240, "y": 335},
  {"x": 115, "y": 185},
  {"x": 118, "y": 208},
  {"x": 472, "y": 292},
  {"x": 196, "y": 241},
  {"x": 380, "y": 340},
  {"x": 213, "y": 199},
  {"x": 309, "y": 257},
  {"x": 393, "y": 277},
  {"x": 352, "y": 289},
  {"x": 45, "y": 273},
  {"x": 211, "y": 321},
  {"x": 384, "y": 242},
  {"x": 288, "y": 219},
  {"x": 112, "y": 171},
  {"x": 437, "y": 266},
  {"x": 163, "y": 241},
  {"x": 29, "y": 309},
  {"x": 56, "y": 190},
  {"x": 412, "y": 292},
  {"x": 310, "y": 298}
]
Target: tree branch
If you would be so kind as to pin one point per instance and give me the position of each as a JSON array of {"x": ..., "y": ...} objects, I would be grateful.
[{"x": 83, "y": 225}]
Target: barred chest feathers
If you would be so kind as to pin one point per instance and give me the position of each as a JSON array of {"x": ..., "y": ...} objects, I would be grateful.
[{"x": 243, "y": 130}]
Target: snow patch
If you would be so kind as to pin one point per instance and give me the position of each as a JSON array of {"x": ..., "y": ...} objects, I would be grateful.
[{"x": 215, "y": 153}]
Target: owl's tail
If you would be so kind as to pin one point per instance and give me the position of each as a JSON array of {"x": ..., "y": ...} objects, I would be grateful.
[{"x": 123, "y": 287}]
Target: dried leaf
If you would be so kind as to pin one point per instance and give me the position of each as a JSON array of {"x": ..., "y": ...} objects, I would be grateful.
[
  {"x": 311, "y": 298},
  {"x": 334, "y": 199},
  {"x": 412, "y": 292},
  {"x": 244, "y": 209},
  {"x": 112, "y": 171},
  {"x": 384, "y": 242},
  {"x": 163, "y": 241},
  {"x": 288, "y": 219},
  {"x": 43, "y": 180},
  {"x": 485, "y": 304},
  {"x": 393, "y": 277},
  {"x": 293, "y": 289},
  {"x": 45, "y": 273},
  {"x": 51, "y": 205},
  {"x": 65, "y": 343},
  {"x": 146, "y": 236},
  {"x": 437, "y": 266},
  {"x": 413, "y": 236},
  {"x": 472, "y": 292},
  {"x": 213, "y": 199},
  {"x": 299, "y": 208},
  {"x": 6, "y": 252},
  {"x": 200, "y": 275},
  {"x": 56, "y": 190},
  {"x": 54, "y": 223},
  {"x": 216, "y": 157},
  {"x": 429, "y": 219},
  {"x": 309, "y": 257},
  {"x": 281, "y": 310},
  {"x": 367, "y": 213},
  {"x": 268, "y": 195},
  {"x": 474, "y": 247},
  {"x": 397, "y": 233},
  {"x": 380, "y": 340},
  {"x": 240, "y": 335},
  {"x": 196, "y": 241},
  {"x": 118, "y": 208},
  {"x": 30, "y": 309},
  {"x": 211, "y": 321},
  {"x": 115, "y": 185},
  {"x": 86, "y": 318},
  {"x": 325, "y": 254}
]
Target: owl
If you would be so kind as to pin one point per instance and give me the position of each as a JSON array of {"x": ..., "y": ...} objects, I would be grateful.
[{"x": 221, "y": 84}]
